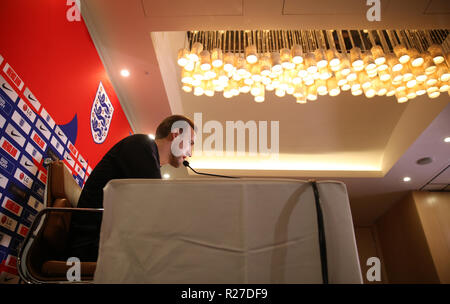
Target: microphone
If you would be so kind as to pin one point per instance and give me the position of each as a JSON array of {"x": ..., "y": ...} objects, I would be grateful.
[{"x": 186, "y": 164}]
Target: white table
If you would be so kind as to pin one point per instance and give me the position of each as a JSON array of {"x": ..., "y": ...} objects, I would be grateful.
[{"x": 224, "y": 231}]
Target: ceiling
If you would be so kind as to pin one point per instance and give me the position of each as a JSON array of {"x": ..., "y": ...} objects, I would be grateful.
[{"x": 370, "y": 144}]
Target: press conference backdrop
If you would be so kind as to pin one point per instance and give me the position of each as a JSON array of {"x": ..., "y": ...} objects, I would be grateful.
[{"x": 28, "y": 135}]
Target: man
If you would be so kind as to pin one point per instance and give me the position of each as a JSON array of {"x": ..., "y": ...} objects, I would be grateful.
[{"x": 136, "y": 156}]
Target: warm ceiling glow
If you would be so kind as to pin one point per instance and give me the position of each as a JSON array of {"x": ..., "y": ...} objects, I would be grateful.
[
  {"x": 447, "y": 139},
  {"x": 282, "y": 166},
  {"x": 407, "y": 179},
  {"x": 125, "y": 73}
]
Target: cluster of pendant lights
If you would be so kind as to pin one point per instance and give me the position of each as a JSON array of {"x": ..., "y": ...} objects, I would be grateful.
[{"x": 308, "y": 63}]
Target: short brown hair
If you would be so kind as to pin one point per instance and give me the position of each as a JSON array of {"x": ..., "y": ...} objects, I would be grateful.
[{"x": 165, "y": 126}]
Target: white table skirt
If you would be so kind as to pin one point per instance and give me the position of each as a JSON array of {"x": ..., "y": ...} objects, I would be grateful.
[{"x": 224, "y": 231}]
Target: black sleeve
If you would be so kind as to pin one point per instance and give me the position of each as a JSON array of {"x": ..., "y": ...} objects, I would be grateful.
[{"x": 137, "y": 158}]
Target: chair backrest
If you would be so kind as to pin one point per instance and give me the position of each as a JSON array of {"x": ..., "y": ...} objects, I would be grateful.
[{"x": 61, "y": 184}]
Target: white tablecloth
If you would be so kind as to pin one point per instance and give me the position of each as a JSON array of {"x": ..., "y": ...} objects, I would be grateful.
[{"x": 224, "y": 231}]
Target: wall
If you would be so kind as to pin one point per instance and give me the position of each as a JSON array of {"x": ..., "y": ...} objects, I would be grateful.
[
  {"x": 405, "y": 245},
  {"x": 368, "y": 246},
  {"x": 434, "y": 214},
  {"x": 55, "y": 101}
]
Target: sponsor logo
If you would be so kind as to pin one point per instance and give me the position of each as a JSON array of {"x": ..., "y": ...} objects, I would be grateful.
[
  {"x": 4, "y": 239},
  {"x": 11, "y": 131},
  {"x": 9, "y": 148},
  {"x": 12, "y": 206},
  {"x": 7, "y": 165},
  {"x": 23, "y": 178},
  {"x": 31, "y": 150},
  {"x": 5, "y": 106},
  {"x": 7, "y": 89},
  {"x": 35, "y": 203},
  {"x": 101, "y": 115},
  {"x": 79, "y": 171},
  {"x": 28, "y": 164},
  {"x": 3, "y": 181},
  {"x": 83, "y": 163},
  {"x": 38, "y": 140},
  {"x": 27, "y": 110},
  {"x": 42, "y": 177},
  {"x": 43, "y": 129},
  {"x": 72, "y": 149},
  {"x": 59, "y": 147},
  {"x": 38, "y": 190},
  {"x": 61, "y": 135},
  {"x": 33, "y": 100},
  {"x": 11, "y": 261},
  {"x": 7, "y": 222},
  {"x": 2, "y": 121},
  {"x": 69, "y": 159},
  {"x": 13, "y": 76},
  {"x": 12, "y": 188},
  {"x": 28, "y": 217},
  {"x": 23, "y": 230},
  {"x": 48, "y": 119},
  {"x": 20, "y": 121}
]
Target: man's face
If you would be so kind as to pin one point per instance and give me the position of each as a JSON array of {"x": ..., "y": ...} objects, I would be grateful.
[{"x": 181, "y": 147}]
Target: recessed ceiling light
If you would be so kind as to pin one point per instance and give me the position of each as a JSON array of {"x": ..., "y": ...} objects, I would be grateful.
[
  {"x": 407, "y": 179},
  {"x": 447, "y": 139},
  {"x": 424, "y": 161},
  {"x": 166, "y": 175},
  {"x": 125, "y": 73},
  {"x": 151, "y": 136}
]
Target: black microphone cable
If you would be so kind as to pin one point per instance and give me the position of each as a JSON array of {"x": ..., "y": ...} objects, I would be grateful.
[{"x": 186, "y": 164}]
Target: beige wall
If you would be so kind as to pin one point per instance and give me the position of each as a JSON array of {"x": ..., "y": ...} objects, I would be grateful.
[
  {"x": 414, "y": 237},
  {"x": 434, "y": 214},
  {"x": 368, "y": 246}
]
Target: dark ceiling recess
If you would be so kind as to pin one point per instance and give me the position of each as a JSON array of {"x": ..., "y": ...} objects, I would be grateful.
[
  {"x": 431, "y": 185},
  {"x": 424, "y": 161}
]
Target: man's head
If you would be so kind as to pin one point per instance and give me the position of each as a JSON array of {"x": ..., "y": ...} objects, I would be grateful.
[{"x": 175, "y": 137}]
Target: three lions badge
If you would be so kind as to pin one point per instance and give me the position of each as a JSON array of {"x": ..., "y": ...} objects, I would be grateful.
[{"x": 101, "y": 115}]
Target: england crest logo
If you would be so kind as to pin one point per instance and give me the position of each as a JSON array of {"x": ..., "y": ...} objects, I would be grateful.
[{"x": 101, "y": 115}]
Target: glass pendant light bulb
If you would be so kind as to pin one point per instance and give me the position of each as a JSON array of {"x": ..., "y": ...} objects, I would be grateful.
[
  {"x": 251, "y": 54},
  {"x": 321, "y": 59},
  {"x": 345, "y": 65},
  {"x": 183, "y": 57},
  {"x": 260, "y": 97},
  {"x": 312, "y": 93},
  {"x": 378, "y": 54},
  {"x": 401, "y": 97},
  {"x": 393, "y": 62},
  {"x": 356, "y": 57},
  {"x": 436, "y": 53},
  {"x": 416, "y": 58},
  {"x": 276, "y": 62},
  {"x": 310, "y": 63},
  {"x": 228, "y": 62},
  {"x": 217, "y": 58},
  {"x": 369, "y": 63},
  {"x": 401, "y": 53},
  {"x": 196, "y": 49},
  {"x": 297, "y": 54}
]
